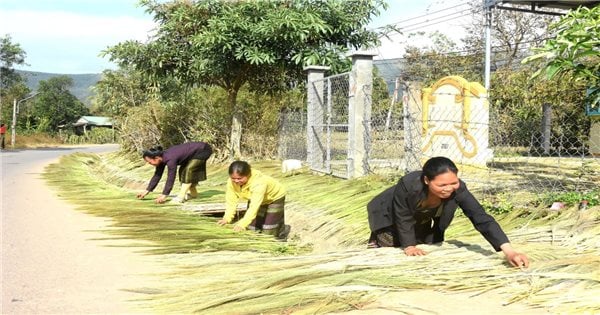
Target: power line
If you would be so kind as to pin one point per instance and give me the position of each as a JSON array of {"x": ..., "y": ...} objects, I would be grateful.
[
  {"x": 432, "y": 22},
  {"x": 424, "y": 15}
]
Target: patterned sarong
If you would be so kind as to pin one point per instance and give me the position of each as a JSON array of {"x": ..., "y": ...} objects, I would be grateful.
[
  {"x": 193, "y": 172},
  {"x": 270, "y": 218}
]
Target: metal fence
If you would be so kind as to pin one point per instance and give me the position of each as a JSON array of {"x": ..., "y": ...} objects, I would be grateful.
[
  {"x": 546, "y": 152},
  {"x": 330, "y": 131},
  {"x": 524, "y": 157},
  {"x": 292, "y": 135}
]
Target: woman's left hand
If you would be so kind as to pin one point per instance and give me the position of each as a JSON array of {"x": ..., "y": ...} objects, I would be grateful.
[
  {"x": 160, "y": 199},
  {"x": 515, "y": 258},
  {"x": 238, "y": 228},
  {"x": 518, "y": 260}
]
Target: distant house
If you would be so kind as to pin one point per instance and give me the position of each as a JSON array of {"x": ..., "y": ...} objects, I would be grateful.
[{"x": 85, "y": 123}]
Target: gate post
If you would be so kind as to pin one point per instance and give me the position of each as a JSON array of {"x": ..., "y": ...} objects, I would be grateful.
[
  {"x": 359, "y": 111},
  {"x": 314, "y": 113}
]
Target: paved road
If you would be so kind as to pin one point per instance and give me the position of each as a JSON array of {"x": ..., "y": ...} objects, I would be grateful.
[{"x": 49, "y": 263}]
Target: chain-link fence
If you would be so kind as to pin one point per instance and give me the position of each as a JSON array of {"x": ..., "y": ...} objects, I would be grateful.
[
  {"x": 501, "y": 154},
  {"x": 292, "y": 135},
  {"x": 330, "y": 128}
]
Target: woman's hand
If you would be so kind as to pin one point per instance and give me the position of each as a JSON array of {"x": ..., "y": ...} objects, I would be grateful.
[
  {"x": 515, "y": 258},
  {"x": 142, "y": 194},
  {"x": 414, "y": 251},
  {"x": 160, "y": 199},
  {"x": 238, "y": 228},
  {"x": 518, "y": 260},
  {"x": 222, "y": 222}
]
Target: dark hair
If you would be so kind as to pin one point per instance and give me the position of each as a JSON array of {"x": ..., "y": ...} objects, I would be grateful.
[
  {"x": 153, "y": 152},
  {"x": 240, "y": 167},
  {"x": 436, "y": 166}
]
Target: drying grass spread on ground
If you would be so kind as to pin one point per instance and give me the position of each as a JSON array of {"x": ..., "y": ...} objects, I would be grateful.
[{"x": 324, "y": 266}]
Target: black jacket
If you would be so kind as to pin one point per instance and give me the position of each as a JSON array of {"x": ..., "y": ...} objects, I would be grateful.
[{"x": 396, "y": 207}]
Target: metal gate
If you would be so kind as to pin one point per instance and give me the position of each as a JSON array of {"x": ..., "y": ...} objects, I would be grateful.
[{"x": 329, "y": 132}]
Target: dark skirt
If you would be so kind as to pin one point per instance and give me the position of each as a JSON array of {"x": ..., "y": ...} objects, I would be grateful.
[
  {"x": 270, "y": 218},
  {"x": 194, "y": 170},
  {"x": 426, "y": 232}
]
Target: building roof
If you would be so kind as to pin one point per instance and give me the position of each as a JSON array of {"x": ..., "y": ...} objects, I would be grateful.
[
  {"x": 93, "y": 121},
  {"x": 540, "y": 6}
]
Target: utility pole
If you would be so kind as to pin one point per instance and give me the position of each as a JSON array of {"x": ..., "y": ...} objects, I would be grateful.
[{"x": 13, "y": 127}]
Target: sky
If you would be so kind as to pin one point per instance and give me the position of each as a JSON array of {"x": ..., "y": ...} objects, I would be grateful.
[{"x": 67, "y": 36}]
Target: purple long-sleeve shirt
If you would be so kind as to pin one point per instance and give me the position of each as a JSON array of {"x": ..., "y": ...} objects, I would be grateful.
[{"x": 176, "y": 155}]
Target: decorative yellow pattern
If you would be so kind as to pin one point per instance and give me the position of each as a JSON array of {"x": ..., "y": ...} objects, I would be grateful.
[
  {"x": 454, "y": 135},
  {"x": 466, "y": 91}
]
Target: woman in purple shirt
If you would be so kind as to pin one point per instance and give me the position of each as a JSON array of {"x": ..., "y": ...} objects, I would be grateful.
[{"x": 191, "y": 158}]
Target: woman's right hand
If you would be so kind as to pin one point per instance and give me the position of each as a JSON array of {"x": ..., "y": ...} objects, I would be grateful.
[
  {"x": 142, "y": 194},
  {"x": 222, "y": 222},
  {"x": 414, "y": 251}
]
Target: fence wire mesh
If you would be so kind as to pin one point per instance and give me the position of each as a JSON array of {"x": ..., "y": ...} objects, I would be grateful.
[
  {"x": 329, "y": 128},
  {"x": 501, "y": 155},
  {"x": 292, "y": 135}
]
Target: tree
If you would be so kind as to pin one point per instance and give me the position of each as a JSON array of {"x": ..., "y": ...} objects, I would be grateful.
[
  {"x": 10, "y": 55},
  {"x": 575, "y": 50},
  {"x": 513, "y": 33},
  {"x": 118, "y": 90},
  {"x": 442, "y": 58},
  {"x": 55, "y": 105},
  {"x": 262, "y": 44},
  {"x": 516, "y": 108},
  {"x": 11, "y": 83}
]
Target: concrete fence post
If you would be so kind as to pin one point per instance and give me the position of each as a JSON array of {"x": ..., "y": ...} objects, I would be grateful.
[
  {"x": 359, "y": 120},
  {"x": 314, "y": 98}
]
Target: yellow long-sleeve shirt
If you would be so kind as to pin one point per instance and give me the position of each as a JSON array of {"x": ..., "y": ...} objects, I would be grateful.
[{"x": 260, "y": 189}]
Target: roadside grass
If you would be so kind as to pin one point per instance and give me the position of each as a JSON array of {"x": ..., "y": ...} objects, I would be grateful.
[
  {"x": 216, "y": 271},
  {"x": 32, "y": 140}
]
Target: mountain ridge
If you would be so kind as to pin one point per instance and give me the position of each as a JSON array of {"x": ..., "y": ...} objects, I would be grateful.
[{"x": 82, "y": 83}]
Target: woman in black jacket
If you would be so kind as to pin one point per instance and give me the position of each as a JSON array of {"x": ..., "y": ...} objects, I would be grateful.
[{"x": 419, "y": 209}]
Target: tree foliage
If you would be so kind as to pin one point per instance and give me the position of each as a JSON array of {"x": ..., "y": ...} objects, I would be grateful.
[
  {"x": 54, "y": 105},
  {"x": 574, "y": 50},
  {"x": 119, "y": 90},
  {"x": 516, "y": 105},
  {"x": 512, "y": 34},
  {"x": 11, "y": 54},
  {"x": 442, "y": 58},
  {"x": 261, "y": 44},
  {"x": 12, "y": 85}
]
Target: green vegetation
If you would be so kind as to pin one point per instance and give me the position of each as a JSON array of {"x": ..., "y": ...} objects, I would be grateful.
[
  {"x": 170, "y": 230},
  {"x": 81, "y": 88},
  {"x": 574, "y": 50},
  {"x": 260, "y": 45},
  {"x": 573, "y": 198},
  {"x": 53, "y": 106},
  {"x": 95, "y": 136},
  {"x": 213, "y": 270}
]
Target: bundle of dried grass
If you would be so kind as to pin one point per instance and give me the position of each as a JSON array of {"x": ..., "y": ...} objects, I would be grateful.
[{"x": 225, "y": 272}]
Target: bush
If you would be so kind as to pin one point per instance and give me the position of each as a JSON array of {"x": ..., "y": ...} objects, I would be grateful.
[{"x": 93, "y": 136}]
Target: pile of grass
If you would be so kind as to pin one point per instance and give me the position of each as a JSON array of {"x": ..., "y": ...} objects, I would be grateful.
[
  {"x": 167, "y": 227},
  {"x": 214, "y": 270}
]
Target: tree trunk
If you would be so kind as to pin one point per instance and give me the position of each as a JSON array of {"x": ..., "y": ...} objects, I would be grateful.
[{"x": 236, "y": 127}]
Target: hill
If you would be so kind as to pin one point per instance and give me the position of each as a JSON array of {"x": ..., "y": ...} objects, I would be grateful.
[{"x": 82, "y": 83}]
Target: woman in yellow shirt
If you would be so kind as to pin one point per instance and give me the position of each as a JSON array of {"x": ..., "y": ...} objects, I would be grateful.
[{"x": 266, "y": 200}]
